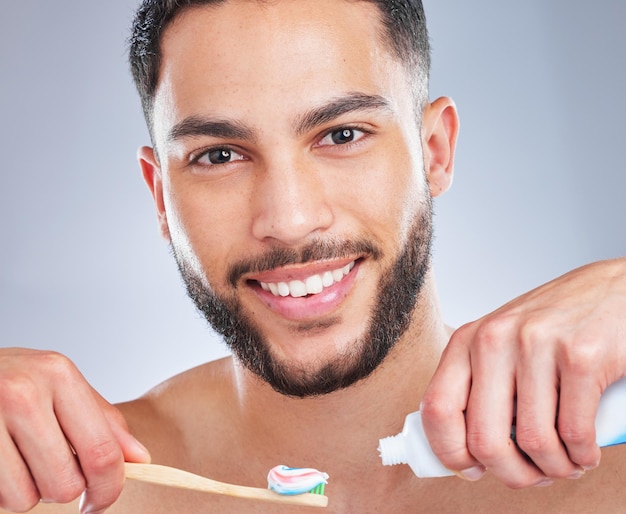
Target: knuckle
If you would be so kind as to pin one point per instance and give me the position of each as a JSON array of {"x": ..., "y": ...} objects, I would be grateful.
[
  {"x": 68, "y": 485},
  {"x": 102, "y": 493},
  {"x": 462, "y": 333},
  {"x": 18, "y": 394},
  {"x": 573, "y": 434},
  {"x": 436, "y": 407},
  {"x": 101, "y": 457},
  {"x": 590, "y": 459},
  {"x": 21, "y": 385},
  {"x": 451, "y": 451},
  {"x": 531, "y": 333},
  {"x": 492, "y": 333},
  {"x": 580, "y": 357},
  {"x": 484, "y": 447},
  {"x": 532, "y": 441},
  {"x": 57, "y": 364},
  {"x": 67, "y": 492},
  {"x": 23, "y": 501}
]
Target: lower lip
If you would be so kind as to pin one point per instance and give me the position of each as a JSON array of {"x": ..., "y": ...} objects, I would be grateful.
[{"x": 311, "y": 306}]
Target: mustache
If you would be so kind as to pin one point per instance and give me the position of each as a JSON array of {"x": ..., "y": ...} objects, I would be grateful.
[{"x": 317, "y": 250}]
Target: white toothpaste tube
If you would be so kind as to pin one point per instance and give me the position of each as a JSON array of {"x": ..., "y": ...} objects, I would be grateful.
[{"x": 411, "y": 445}]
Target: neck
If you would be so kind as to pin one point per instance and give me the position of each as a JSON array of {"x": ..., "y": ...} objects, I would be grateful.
[{"x": 359, "y": 415}]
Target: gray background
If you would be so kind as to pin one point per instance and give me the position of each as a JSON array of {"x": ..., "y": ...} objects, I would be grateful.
[{"x": 539, "y": 181}]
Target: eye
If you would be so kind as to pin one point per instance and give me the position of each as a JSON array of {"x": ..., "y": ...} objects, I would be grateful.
[
  {"x": 342, "y": 136},
  {"x": 216, "y": 156}
]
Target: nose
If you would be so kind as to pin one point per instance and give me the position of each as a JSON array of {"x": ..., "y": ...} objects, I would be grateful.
[{"x": 291, "y": 202}]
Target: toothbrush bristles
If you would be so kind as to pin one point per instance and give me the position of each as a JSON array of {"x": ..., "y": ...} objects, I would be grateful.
[{"x": 318, "y": 489}]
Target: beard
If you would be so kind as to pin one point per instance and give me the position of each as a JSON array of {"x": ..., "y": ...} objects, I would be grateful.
[{"x": 397, "y": 296}]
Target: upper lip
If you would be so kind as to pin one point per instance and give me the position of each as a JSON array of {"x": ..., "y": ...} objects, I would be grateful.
[{"x": 299, "y": 272}]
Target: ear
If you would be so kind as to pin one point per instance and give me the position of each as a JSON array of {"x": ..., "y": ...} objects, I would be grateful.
[
  {"x": 151, "y": 171},
  {"x": 440, "y": 127}
]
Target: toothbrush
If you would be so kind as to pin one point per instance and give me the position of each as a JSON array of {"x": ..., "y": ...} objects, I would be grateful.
[{"x": 173, "y": 477}]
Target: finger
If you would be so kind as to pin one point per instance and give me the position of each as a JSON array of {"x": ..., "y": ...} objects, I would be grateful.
[
  {"x": 97, "y": 449},
  {"x": 48, "y": 415},
  {"x": 27, "y": 413},
  {"x": 490, "y": 410},
  {"x": 536, "y": 433},
  {"x": 443, "y": 407},
  {"x": 132, "y": 449},
  {"x": 18, "y": 492},
  {"x": 579, "y": 397},
  {"x": 45, "y": 450}
]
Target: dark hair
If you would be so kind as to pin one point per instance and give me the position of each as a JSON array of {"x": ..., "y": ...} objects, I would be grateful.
[{"x": 404, "y": 33}]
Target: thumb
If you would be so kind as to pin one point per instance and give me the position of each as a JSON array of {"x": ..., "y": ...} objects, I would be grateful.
[{"x": 132, "y": 449}]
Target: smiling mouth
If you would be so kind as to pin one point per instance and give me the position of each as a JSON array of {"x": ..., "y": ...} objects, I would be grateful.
[{"x": 312, "y": 285}]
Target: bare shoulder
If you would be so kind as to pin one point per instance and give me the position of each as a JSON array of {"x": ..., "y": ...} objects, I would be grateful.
[{"x": 169, "y": 413}]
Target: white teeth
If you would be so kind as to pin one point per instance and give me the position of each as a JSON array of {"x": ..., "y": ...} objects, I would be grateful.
[
  {"x": 312, "y": 285},
  {"x": 283, "y": 289},
  {"x": 297, "y": 288}
]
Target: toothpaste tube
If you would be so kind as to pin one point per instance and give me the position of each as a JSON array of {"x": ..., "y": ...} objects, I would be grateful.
[{"x": 411, "y": 445}]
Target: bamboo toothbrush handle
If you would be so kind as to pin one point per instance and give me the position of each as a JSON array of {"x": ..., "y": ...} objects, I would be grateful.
[{"x": 173, "y": 477}]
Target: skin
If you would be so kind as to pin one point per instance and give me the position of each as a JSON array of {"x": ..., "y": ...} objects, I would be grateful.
[{"x": 289, "y": 187}]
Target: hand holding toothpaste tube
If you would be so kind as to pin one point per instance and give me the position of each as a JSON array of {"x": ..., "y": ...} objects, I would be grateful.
[{"x": 553, "y": 351}]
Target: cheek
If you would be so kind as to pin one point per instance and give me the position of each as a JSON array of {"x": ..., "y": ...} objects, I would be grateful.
[
  {"x": 181, "y": 236},
  {"x": 390, "y": 193},
  {"x": 193, "y": 224},
  {"x": 212, "y": 223}
]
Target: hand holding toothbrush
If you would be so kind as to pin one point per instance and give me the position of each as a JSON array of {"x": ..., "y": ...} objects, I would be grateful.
[{"x": 58, "y": 436}]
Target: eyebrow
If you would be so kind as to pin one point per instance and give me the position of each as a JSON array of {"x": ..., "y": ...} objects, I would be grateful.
[
  {"x": 194, "y": 126},
  {"x": 205, "y": 126},
  {"x": 351, "y": 102}
]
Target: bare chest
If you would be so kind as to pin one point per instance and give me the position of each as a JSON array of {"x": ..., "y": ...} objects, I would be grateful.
[{"x": 592, "y": 494}]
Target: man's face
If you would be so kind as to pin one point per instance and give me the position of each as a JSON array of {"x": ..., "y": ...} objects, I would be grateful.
[{"x": 291, "y": 184}]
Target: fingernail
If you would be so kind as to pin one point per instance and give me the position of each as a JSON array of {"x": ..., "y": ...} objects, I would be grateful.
[
  {"x": 544, "y": 482},
  {"x": 88, "y": 510},
  {"x": 579, "y": 473},
  {"x": 142, "y": 450},
  {"x": 85, "y": 508},
  {"x": 589, "y": 468},
  {"x": 472, "y": 474}
]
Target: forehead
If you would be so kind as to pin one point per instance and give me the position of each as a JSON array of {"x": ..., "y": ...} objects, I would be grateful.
[{"x": 249, "y": 57}]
